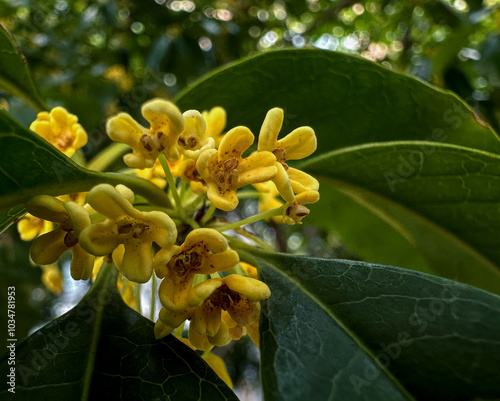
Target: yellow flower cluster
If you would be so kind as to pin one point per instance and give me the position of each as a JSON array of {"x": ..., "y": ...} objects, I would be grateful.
[
  {"x": 105, "y": 222},
  {"x": 219, "y": 309},
  {"x": 213, "y": 162},
  {"x": 61, "y": 129}
]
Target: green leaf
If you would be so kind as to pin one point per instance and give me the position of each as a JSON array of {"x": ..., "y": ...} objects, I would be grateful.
[
  {"x": 102, "y": 348},
  {"x": 31, "y": 166},
  {"x": 347, "y": 100},
  {"x": 346, "y": 330},
  {"x": 8, "y": 216},
  {"x": 15, "y": 76},
  {"x": 447, "y": 203}
]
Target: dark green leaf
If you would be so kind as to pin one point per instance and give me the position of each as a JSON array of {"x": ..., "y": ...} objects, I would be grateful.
[
  {"x": 345, "y": 330},
  {"x": 7, "y": 216},
  {"x": 102, "y": 349},
  {"x": 15, "y": 76},
  {"x": 448, "y": 202},
  {"x": 347, "y": 100},
  {"x": 31, "y": 166}
]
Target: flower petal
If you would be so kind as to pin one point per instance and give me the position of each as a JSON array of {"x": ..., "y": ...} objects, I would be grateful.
[
  {"x": 219, "y": 262},
  {"x": 301, "y": 181},
  {"x": 270, "y": 130},
  {"x": 221, "y": 337},
  {"x": 203, "y": 290},
  {"x": 82, "y": 263},
  {"x": 235, "y": 142},
  {"x": 222, "y": 199},
  {"x": 174, "y": 289},
  {"x": 163, "y": 115},
  {"x": 258, "y": 167},
  {"x": 100, "y": 238},
  {"x": 173, "y": 318},
  {"x": 48, "y": 248},
  {"x": 199, "y": 341},
  {"x": 205, "y": 159},
  {"x": 282, "y": 181},
  {"x": 80, "y": 218},
  {"x": 48, "y": 208},
  {"x": 106, "y": 200},
  {"x": 124, "y": 129},
  {"x": 162, "y": 258},
  {"x": 254, "y": 290},
  {"x": 299, "y": 143},
  {"x": 212, "y": 240},
  {"x": 162, "y": 330},
  {"x": 244, "y": 312},
  {"x": 137, "y": 264},
  {"x": 162, "y": 229}
]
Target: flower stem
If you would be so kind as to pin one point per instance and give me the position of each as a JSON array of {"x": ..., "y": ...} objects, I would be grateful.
[
  {"x": 249, "y": 220},
  {"x": 173, "y": 187},
  {"x": 255, "y": 239},
  {"x": 137, "y": 296},
  {"x": 208, "y": 215},
  {"x": 249, "y": 194},
  {"x": 152, "y": 306}
]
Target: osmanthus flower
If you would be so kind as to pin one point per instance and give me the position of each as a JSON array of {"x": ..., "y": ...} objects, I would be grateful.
[
  {"x": 61, "y": 129},
  {"x": 72, "y": 219},
  {"x": 31, "y": 226},
  {"x": 225, "y": 170},
  {"x": 295, "y": 211},
  {"x": 237, "y": 295},
  {"x": 204, "y": 251},
  {"x": 192, "y": 141},
  {"x": 52, "y": 278},
  {"x": 219, "y": 310},
  {"x": 123, "y": 224},
  {"x": 216, "y": 120},
  {"x": 298, "y": 144},
  {"x": 166, "y": 123}
]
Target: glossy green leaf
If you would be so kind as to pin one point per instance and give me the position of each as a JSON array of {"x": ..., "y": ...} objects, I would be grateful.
[
  {"x": 347, "y": 100},
  {"x": 15, "y": 76},
  {"x": 346, "y": 330},
  {"x": 101, "y": 349},
  {"x": 443, "y": 199},
  {"x": 31, "y": 166}
]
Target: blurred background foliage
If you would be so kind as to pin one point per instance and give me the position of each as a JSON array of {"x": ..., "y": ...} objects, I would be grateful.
[
  {"x": 95, "y": 57},
  {"x": 98, "y": 57}
]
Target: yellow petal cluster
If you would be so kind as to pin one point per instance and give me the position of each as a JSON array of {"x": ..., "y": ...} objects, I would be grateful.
[
  {"x": 30, "y": 227},
  {"x": 215, "y": 120},
  {"x": 52, "y": 278},
  {"x": 192, "y": 141},
  {"x": 225, "y": 170},
  {"x": 204, "y": 251},
  {"x": 72, "y": 219},
  {"x": 295, "y": 187},
  {"x": 61, "y": 129},
  {"x": 166, "y": 124},
  {"x": 219, "y": 309},
  {"x": 123, "y": 224}
]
